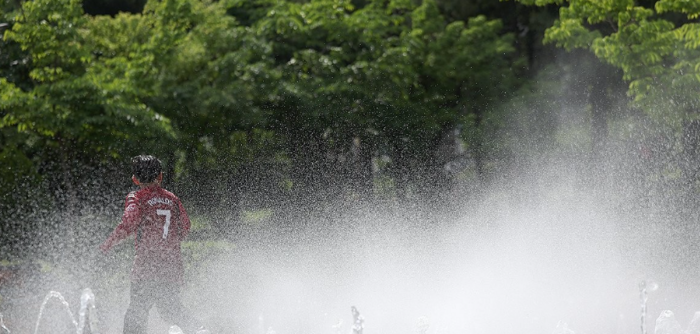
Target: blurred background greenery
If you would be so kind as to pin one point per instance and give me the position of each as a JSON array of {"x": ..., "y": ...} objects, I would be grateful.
[{"x": 269, "y": 108}]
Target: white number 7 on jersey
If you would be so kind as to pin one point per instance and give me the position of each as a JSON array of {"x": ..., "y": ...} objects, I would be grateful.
[{"x": 165, "y": 213}]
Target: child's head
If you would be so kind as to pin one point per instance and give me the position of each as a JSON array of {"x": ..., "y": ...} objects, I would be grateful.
[{"x": 146, "y": 168}]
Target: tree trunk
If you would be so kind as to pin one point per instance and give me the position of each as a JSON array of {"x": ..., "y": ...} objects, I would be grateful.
[
  {"x": 360, "y": 174},
  {"x": 311, "y": 174},
  {"x": 690, "y": 159},
  {"x": 601, "y": 104},
  {"x": 169, "y": 173},
  {"x": 69, "y": 194}
]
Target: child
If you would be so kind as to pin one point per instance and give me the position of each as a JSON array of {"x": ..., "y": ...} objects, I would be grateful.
[{"x": 159, "y": 221}]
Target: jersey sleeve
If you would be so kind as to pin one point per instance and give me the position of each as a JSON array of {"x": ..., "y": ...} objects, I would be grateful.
[{"x": 128, "y": 225}]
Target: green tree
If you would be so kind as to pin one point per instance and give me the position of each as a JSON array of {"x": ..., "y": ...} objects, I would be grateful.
[
  {"x": 392, "y": 75},
  {"x": 77, "y": 104},
  {"x": 211, "y": 77},
  {"x": 656, "y": 47},
  {"x": 659, "y": 57}
]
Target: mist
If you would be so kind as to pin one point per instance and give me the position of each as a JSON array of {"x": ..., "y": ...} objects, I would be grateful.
[
  {"x": 561, "y": 239},
  {"x": 552, "y": 244},
  {"x": 541, "y": 250},
  {"x": 556, "y": 244},
  {"x": 433, "y": 164}
]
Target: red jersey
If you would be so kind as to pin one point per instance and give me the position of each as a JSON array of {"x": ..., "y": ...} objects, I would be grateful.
[{"x": 159, "y": 221}]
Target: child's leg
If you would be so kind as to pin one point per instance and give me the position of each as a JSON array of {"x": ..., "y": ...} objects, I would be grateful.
[
  {"x": 136, "y": 318},
  {"x": 169, "y": 304}
]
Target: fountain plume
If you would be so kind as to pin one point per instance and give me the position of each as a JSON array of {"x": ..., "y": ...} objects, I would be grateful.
[
  {"x": 694, "y": 327},
  {"x": 87, "y": 310},
  {"x": 2, "y": 325},
  {"x": 666, "y": 323}
]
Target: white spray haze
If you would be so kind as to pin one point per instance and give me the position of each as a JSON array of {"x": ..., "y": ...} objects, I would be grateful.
[{"x": 533, "y": 253}]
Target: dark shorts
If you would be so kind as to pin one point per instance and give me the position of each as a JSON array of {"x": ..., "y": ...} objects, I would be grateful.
[{"x": 166, "y": 296}]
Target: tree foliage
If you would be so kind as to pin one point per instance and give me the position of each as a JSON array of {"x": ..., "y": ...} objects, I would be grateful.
[
  {"x": 291, "y": 95},
  {"x": 392, "y": 73},
  {"x": 78, "y": 99},
  {"x": 658, "y": 53}
]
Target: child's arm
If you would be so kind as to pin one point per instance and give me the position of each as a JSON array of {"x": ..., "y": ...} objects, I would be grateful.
[{"x": 128, "y": 225}]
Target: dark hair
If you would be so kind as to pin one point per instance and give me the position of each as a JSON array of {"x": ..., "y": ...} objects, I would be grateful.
[{"x": 146, "y": 168}]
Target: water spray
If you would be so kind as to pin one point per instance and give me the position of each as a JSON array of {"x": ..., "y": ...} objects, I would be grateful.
[
  {"x": 644, "y": 287},
  {"x": 562, "y": 328},
  {"x": 49, "y": 296},
  {"x": 174, "y": 329},
  {"x": 87, "y": 308},
  {"x": 423, "y": 325},
  {"x": 2, "y": 325},
  {"x": 694, "y": 327},
  {"x": 338, "y": 327},
  {"x": 643, "y": 297},
  {"x": 358, "y": 324},
  {"x": 666, "y": 323},
  {"x": 261, "y": 324}
]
